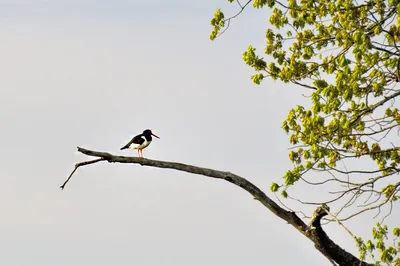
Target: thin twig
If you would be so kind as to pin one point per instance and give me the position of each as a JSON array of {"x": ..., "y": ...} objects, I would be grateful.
[
  {"x": 79, "y": 165},
  {"x": 341, "y": 224}
]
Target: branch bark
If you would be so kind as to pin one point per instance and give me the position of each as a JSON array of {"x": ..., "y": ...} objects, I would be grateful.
[{"x": 314, "y": 232}]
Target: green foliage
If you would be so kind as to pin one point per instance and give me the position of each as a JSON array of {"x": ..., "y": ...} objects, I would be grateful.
[
  {"x": 274, "y": 187},
  {"x": 259, "y": 3},
  {"x": 346, "y": 54},
  {"x": 253, "y": 60},
  {"x": 376, "y": 247},
  {"x": 217, "y": 22}
]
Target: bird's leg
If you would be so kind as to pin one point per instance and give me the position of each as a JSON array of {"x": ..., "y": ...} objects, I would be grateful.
[
  {"x": 141, "y": 153},
  {"x": 138, "y": 151}
]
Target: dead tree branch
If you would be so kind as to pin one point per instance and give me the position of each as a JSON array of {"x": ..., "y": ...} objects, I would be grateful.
[
  {"x": 315, "y": 233},
  {"x": 76, "y": 168}
]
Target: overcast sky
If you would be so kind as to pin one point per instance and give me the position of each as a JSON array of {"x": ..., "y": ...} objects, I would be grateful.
[{"x": 96, "y": 73}]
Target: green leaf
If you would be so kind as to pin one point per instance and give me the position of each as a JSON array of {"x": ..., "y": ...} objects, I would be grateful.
[
  {"x": 396, "y": 231},
  {"x": 257, "y": 78},
  {"x": 274, "y": 187}
]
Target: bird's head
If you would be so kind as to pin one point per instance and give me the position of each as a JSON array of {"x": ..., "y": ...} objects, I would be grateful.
[{"x": 148, "y": 132}]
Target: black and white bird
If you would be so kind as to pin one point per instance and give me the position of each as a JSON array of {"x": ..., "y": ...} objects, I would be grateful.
[{"x": 140, "y": 141}]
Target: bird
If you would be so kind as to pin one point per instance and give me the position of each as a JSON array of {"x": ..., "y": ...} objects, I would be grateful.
[{"x": 140, "y": 141}]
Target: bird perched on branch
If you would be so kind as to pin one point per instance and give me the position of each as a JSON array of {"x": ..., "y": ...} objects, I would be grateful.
[{"x": 140, "y": 141}]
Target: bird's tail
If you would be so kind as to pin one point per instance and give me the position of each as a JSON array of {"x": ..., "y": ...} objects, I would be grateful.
[{"x": 123, "y": 148}]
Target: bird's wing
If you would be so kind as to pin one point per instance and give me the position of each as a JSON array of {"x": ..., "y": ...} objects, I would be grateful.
[{"x": 136, "y": 139}]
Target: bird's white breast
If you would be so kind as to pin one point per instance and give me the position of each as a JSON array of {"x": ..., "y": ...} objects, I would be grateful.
[{"x": 135, "y": 146}]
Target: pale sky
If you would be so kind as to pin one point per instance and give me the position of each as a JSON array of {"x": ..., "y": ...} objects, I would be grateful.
[{"x": 96, "y": 73}]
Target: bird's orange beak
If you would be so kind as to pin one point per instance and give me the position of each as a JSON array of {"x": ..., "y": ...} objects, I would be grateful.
[{"x": 155, "y": 135}]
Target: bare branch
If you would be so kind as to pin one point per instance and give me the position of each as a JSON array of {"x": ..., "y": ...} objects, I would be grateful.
[
  {"x": 316, "y": 234},
  {"x": 79, "y": 165},
  {"x": 228, "y": 20}
]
